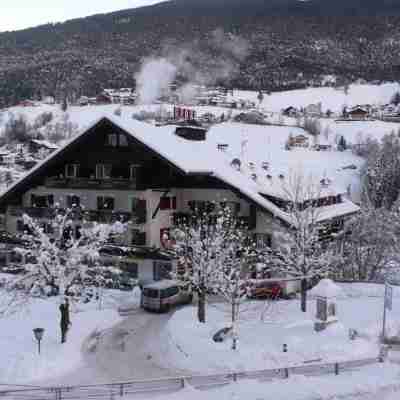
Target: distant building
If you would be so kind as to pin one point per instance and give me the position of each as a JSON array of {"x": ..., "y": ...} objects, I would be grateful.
[{"x": 358, "y": 113}]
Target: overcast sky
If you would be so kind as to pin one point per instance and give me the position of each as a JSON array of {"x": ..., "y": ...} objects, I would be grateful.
[{"x": 19, "y": 14}]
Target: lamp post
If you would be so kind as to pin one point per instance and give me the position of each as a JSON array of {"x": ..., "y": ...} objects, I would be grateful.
[{"x": 38, "y": 332}]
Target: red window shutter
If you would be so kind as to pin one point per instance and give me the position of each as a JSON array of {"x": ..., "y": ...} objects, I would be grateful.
[{"x": 174, "y": 203}]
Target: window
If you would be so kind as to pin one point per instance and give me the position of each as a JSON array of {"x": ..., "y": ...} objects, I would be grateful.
[
  {"x": 103, "y": 171},
  {"x": 123, "y": 141},
  {"x": 138, "y": 237},
  {"x": 71, "y": 170},
  {"x": 112, "y": 140},
  {"x": 233, "y": 206},
  {"x": 73, "y": 201},
  {"x": 134, "y": 172},
  {"x": 47, "y": 228},
  {"x": 131, "y": 268},
  {"x": 162, "y": 270},
  {"x": 105, "y": 203},
  {"x": 165, "y": 203},
  {"x": 262, "y": 240},
  {"x": 201, "y": 206},
  {"x": 42, "y": 200},
  {"x": 139, "y": 210}
]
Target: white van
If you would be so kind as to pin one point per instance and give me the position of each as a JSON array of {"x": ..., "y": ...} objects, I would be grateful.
[{"x": 163, "y": 295}]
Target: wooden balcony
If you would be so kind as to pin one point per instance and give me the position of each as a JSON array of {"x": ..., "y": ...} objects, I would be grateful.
[
  {"x": 90, "y": 183},
  {"x": 102, "y": 216}
]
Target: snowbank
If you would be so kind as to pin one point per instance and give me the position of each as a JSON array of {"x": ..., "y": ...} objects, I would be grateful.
[{"x": 326, "y": 288}]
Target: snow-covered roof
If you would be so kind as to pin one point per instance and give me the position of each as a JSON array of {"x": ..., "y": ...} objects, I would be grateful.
[
  {"x": 45, "y": 143},
  {"x": 194, "y": 157}
]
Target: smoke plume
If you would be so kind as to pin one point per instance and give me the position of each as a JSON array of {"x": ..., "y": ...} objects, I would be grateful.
[{"x": 205, "y": 62}]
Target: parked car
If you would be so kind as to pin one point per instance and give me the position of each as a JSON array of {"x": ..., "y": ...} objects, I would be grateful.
[
  {"x": 264, "y": 290},
  {"x": 163, "y": 295}
]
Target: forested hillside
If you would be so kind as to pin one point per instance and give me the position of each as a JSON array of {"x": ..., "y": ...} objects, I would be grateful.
[{"x": 275, "y": 44}]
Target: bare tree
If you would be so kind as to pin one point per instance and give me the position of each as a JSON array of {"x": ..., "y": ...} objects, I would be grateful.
[{"x": 302, "y": 253}]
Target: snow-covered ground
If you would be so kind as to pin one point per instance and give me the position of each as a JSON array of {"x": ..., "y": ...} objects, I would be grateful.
[
  {"x": 266, "y": 326},
  {"x": 20, "y": 361},
  {"x": 369, "y": 383}
]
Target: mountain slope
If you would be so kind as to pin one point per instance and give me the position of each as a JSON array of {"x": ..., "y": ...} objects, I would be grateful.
[{"x": 289, "y": 44}]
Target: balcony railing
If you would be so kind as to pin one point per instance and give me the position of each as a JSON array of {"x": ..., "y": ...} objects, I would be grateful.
[
  {"x": 103, "y": 216},
  {"x": 90, "y": 183}
]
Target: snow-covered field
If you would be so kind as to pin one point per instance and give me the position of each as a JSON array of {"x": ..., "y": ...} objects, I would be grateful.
[
  {"x": 261, "y": 339},
  {"x": 330, "y": 98}
]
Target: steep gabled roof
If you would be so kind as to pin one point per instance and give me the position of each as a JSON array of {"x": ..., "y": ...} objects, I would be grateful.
[{"x": 190, "y": 157}]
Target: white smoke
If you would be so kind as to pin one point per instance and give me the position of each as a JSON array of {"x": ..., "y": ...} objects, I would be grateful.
[
  {"x": 206, "y": 63},
  {"x": 154, "y": 79}
]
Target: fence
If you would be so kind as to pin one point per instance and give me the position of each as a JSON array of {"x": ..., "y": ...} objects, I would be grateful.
[{"x": 115, "y": 390}]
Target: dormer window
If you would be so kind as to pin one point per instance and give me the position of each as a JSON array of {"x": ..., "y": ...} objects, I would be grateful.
[{"x": 71, "y": 170}]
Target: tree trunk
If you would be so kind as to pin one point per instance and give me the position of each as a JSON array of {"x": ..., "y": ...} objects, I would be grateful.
[
  {"x": 233, "y": 317},
  {"x": 304, "y": 294},
  {"x": 201, "y": 306}
]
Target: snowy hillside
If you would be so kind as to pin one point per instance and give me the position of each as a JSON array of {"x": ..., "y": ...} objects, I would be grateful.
[{"x": 330, "y": 98}]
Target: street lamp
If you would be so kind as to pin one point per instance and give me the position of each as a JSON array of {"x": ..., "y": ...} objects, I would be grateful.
[{"x": 38, "y": 332}]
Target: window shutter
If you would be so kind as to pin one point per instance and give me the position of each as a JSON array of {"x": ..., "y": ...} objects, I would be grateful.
[
  {"x": 100, "y": 203},
  {"x": 174, "y": 203},
  {"x": 50, "y": 200},
  {"x": 33, "y": 200},
  {"x": 142, "y": 239}
]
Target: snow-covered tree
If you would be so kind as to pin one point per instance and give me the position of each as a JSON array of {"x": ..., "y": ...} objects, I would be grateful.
[
  {"x": 301, "y": 251},
  {"x": 213, "y": 247},
  {"x": 64, "y": 257}
]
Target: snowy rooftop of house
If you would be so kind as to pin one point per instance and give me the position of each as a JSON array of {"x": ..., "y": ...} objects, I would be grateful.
[
  {"x": 194, "y": 157},
  {"x": 45, "y": 143}
]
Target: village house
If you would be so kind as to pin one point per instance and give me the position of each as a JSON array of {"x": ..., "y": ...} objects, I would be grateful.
[
  {"x": 298, "y": 141},
  {"x": 358, "y": 113},
  {"x": 44, "y": 146},
  {"x": 290, "y": 111},
  {"x": 122, "y": 169}
]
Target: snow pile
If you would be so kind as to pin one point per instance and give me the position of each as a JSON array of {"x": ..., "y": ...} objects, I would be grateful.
[
  {"x": 326, "y": 288},
  {"x": 20, "y": 361}
]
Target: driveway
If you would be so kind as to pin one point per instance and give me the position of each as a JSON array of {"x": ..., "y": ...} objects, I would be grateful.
[{"x": 128, "y": 351}]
